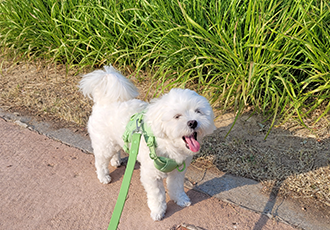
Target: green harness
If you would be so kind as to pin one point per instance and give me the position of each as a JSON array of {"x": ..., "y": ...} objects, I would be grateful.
[
  {"x": 134, "y": 129},
  {"x": 136, "y": 124}
]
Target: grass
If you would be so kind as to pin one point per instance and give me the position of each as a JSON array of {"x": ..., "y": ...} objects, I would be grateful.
[{"x": 270, "y": 54}]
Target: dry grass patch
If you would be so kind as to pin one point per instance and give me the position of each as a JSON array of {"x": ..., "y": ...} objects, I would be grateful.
[
  {"x": 49, "y": 91},
  {"x": 45, "y": 91}
]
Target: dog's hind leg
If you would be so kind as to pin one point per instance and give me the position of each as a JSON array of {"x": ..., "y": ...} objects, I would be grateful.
[
  {"x": 116, "y": 160},
  {"x": 103, "y": 154},
  {"x": 102, "y": 170}
]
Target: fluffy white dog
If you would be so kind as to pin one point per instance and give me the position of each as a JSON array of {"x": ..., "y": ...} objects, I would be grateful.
[{"x": 179, "y": 120}]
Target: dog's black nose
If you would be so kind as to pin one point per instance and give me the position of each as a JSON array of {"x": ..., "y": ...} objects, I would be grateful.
[{"x": 192, "y": 124}]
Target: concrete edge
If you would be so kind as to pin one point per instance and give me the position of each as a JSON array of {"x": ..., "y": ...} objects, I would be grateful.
[{"x": 238, "y": 191}]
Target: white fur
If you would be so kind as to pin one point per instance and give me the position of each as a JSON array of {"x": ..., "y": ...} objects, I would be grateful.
[{"x": 168, "y": 117}]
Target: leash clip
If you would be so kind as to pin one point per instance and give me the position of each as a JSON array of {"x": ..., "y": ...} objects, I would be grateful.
[{"x": 138, "y": 128}]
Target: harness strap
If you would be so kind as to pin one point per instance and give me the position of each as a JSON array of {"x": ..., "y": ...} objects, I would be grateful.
[{"x": 161, "y": 163}]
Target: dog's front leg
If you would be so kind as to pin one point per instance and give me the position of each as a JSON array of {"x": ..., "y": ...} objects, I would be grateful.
[
  {"x": 175, "y": 186},
  {"x": 155, "y": 193}
]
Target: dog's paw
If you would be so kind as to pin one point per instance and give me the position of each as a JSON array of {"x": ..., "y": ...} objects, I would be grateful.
[
  {"x": 156, "y": 216},
  {"x": 104, "y": 179},
  {"x": 184, "y": 201},
  {"x": 115, "y": 162}
]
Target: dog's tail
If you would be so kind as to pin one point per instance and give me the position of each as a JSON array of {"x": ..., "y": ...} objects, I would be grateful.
[{"x": 107, "y": 86}]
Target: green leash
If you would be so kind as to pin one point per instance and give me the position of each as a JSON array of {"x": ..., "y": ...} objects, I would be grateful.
[
  {"x": 126, "y": 182},
  {"x": 134, "y": 129}
]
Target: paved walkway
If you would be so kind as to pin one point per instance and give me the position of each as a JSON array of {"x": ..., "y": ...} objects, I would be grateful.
[{"x": 45, "y": 184}]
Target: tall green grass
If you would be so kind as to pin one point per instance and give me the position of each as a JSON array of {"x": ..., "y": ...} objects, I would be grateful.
[{"x": 273, "y": 55}]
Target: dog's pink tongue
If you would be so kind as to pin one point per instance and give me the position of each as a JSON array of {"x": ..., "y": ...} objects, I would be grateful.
[{"x": 192, "y": 143}]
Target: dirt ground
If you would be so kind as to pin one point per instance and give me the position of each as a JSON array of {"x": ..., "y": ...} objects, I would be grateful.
[{"x": 293, "y": 161}]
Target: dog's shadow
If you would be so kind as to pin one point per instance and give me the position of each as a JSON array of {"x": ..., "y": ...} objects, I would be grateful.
[
  {"x": 195, "y": 198},
  {"x": 209, "y": 187}
]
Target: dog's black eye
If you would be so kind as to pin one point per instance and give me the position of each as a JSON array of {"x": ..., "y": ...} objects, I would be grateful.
[
  {"x": 177, "y": 116},
  {"x": 197, "y": 111}
]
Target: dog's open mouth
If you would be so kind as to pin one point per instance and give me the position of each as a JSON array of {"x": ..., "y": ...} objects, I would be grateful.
[{"x": 191, "y": 142}]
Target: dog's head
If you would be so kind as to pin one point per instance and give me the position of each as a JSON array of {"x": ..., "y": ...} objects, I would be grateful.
[{"x": 183, "y": 116}]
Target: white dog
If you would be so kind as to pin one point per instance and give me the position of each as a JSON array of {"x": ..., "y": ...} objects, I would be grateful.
[{"x": 179, "y": 120}]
